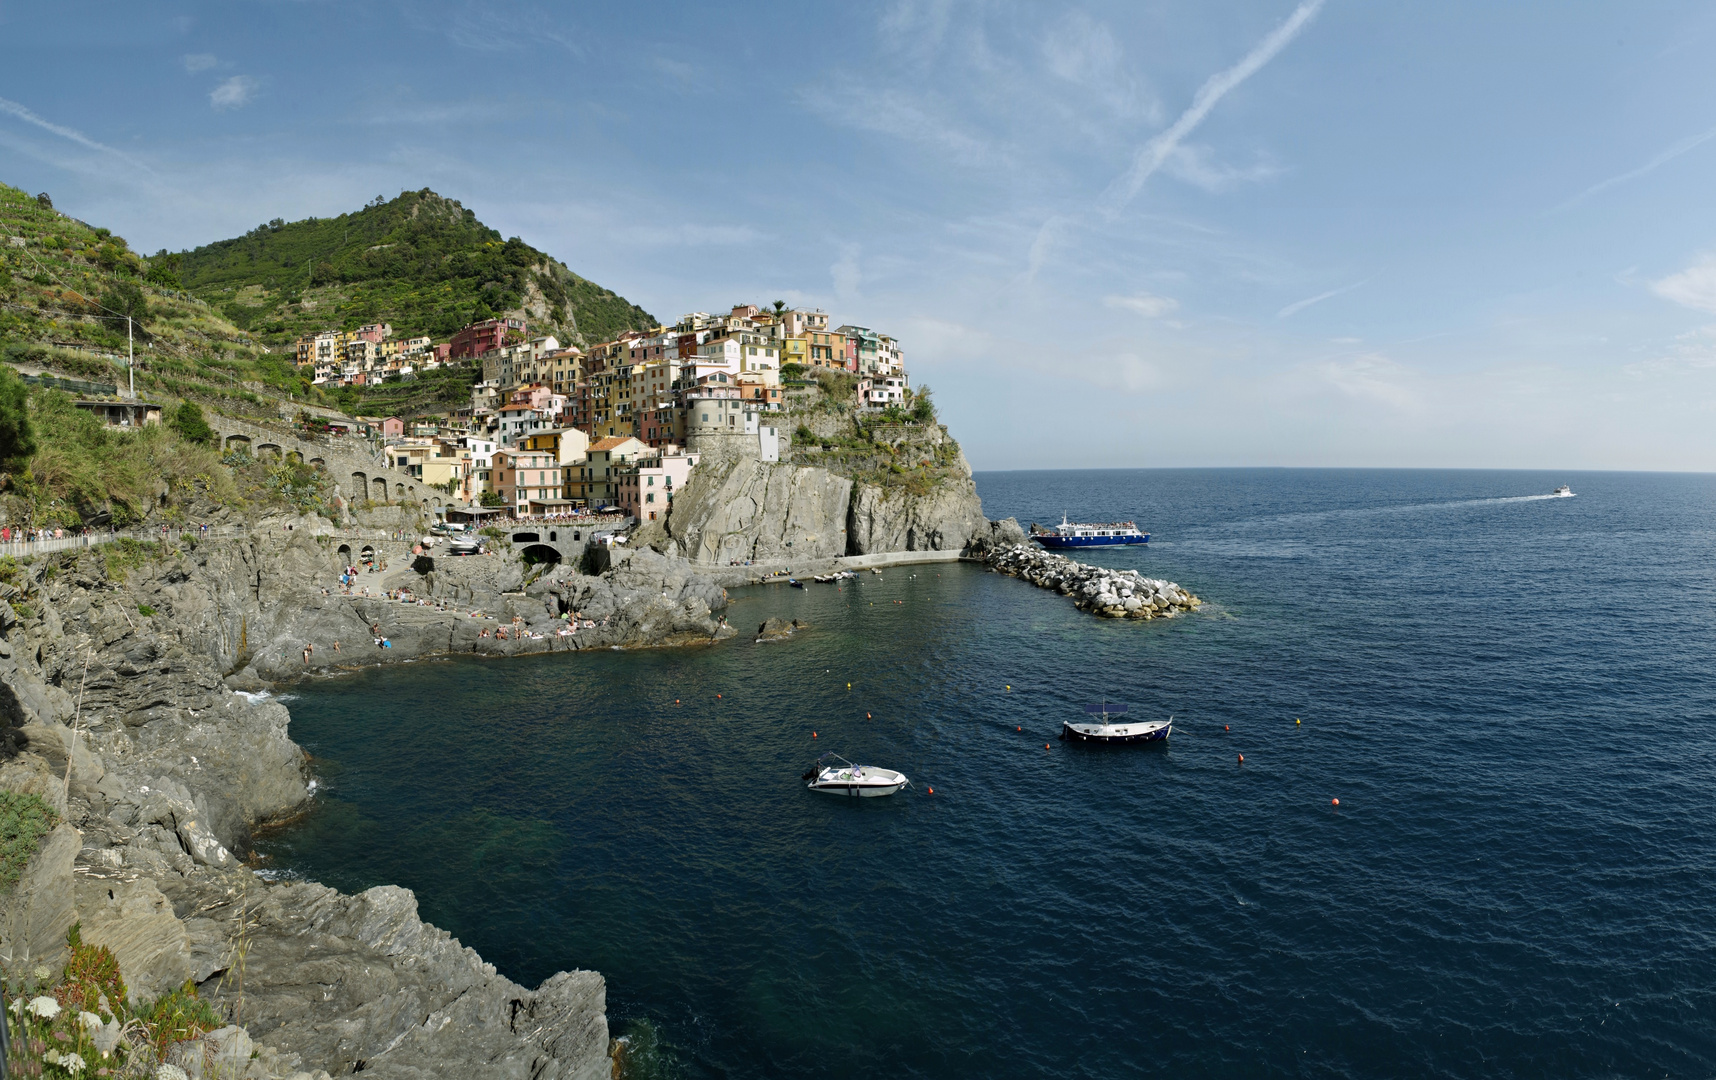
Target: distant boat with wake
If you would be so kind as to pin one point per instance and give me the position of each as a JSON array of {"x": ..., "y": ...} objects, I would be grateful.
[
  {"x": 1562, "y": 492},
  {"x": 1070, "y": 534}
]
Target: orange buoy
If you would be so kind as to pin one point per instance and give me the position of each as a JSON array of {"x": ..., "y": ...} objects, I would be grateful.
[
  {"x": 813, "y": 734},
  {"x": 717, "y": 695},
  {"x": 1224, "y": 727},
  {"x": 1018, "y": 729},
  {"x": 676, "y": 701},
  {"x": 1242, "y": 759},
  {"x": 932, "y": 791},
  {"x": 1334, "y": 802},
  {"x": 1045, "y": 746},
  {"x": 866, "y": 716}
]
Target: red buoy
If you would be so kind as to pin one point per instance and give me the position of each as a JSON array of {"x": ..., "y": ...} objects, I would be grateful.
[
  {"x": 866, "y": 716},
  {"x": 1242, "y": 759},
  {"x": 1224, "y": 727},
  {"x": 1045, "y": 746},
  {"x": 932, "y": 791},
  {"x": 813, "y": 734},
  {"x": 1334, "y": 802}
]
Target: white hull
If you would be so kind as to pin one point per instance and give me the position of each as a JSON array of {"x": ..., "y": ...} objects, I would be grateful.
[
  {"x": 852, "y": 782},
  {"x": 857, "y": 791}
]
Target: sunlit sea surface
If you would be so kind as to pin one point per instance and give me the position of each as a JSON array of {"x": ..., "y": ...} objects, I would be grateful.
[{"x": 1513, "y": 698}]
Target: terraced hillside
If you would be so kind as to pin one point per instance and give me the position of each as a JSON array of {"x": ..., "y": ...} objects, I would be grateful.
[
  {"x": 67, "y": 288},
  {"x": 420, "y": 262}
]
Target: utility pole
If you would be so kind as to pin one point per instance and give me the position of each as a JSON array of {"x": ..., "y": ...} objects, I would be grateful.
[{"x": 130, "y": 359}]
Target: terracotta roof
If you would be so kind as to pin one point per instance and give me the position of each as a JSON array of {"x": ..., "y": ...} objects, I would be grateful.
[{"x": 611, "y": 441}]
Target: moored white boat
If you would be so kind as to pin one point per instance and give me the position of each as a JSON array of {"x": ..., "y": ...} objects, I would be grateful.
[
  {"x": 853, "y": 781},
  {"x": 1071, "y": 534},
  {"x": 1107, "y": 727}
]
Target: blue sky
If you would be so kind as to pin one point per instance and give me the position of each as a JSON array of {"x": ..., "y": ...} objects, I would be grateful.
[{"x": 1132, "y": 234}]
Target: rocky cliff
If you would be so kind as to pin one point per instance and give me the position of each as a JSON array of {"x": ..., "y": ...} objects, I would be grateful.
[
  {"x": 130, "y": 695},
  {"x": 846, "y": 484}
]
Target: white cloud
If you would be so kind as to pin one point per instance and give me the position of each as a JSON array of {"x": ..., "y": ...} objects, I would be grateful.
[
  {"x": 896, "y": 113},
  {"x": 195, "y": 62},
  {"x": 1373, "y": 377},
  {"x": 1155, "y": 153},
  {"x": 1145, "y": 304},
  {"x": 1693, "y": 287},
  {"x": 234, "y": 93}
]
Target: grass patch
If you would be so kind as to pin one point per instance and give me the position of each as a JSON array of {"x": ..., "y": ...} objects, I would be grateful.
[{"x": 24, "y": 820}]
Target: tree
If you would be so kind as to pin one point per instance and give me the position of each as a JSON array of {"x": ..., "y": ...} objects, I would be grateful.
[
  {"x": 491, "y": 498},
  {"x": 164, "y": 270},
  {"x": 188, "y": 421},
  {"x": 43, "y": 201},
  {"x": 17, "y": 436},
  {"x": 923, "y": 409},
  {"x": 125, "y": 298},
  {"x": 780, "y": 306}
]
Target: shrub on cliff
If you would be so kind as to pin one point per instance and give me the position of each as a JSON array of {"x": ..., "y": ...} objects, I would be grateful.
[
  {"x": 189, "y": 422},
  {"x": 24, "y": 820}
]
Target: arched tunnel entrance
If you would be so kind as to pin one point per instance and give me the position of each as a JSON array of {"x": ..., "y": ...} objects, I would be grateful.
[{"x": 537, "y": 554}]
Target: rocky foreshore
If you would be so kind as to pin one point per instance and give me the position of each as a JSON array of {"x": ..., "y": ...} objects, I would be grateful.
[
  {"x": 1111, "y": 594},
  {"x": 132, "y": 693}
]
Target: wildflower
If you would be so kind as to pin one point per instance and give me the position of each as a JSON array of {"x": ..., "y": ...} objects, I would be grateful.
[
  {"x": 45, "y": 1007},
  {"x": 42, "y": 973},
  {"x": 17, "y": 1006},
  {"x": 170, "y": 1072},
  {"x": 71, "y": 1063},
  {"x": 90, "y": 1021}
]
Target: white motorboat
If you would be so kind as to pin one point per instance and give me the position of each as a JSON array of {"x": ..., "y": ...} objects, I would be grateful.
[
  {"x": 1562, "y": 492},
  {"x": 853, "y": 781},
  {"x": 1108, "y": 726}
]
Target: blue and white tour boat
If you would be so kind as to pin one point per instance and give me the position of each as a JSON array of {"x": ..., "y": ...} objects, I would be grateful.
[
  {"x": 1108, "y": 724},
  {"x": 1070, "y": 534}
]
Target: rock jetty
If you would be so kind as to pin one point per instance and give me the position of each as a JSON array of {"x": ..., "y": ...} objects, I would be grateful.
[{"x": 1112, "y": 594}]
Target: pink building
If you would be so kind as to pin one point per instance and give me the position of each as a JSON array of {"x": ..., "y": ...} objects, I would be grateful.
[
  {"x": 393, "y": 425},
  {"x": 647, "y": 489}
]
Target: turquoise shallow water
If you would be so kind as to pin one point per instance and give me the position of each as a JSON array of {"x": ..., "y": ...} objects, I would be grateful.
[{"x": 1513, "y": 698}]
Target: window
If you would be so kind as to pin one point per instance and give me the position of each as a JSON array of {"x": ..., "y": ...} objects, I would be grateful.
[{"x": 651, "y": 497}]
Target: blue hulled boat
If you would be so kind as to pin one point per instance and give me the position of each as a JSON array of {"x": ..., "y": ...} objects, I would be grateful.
[{"x": 1070, "y": 534}]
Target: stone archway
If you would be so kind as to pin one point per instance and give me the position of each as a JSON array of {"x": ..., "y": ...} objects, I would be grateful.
[
  {"x": 293, "y": 455},
  {"x": 319, "y": 463},
  {"x": 380, "y": 486},
  {"x": 235, "y": 443},
  {"x": 539, "y": 553},
  {"x": 345, "y": 554},
  {"x": 360, "y": 485},
  {"x": 268, "y": 448},
  {"x": 399, "y": 491}
]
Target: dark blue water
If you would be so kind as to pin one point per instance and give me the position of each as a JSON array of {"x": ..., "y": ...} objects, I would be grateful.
[{"x": 1513, "y": 698}]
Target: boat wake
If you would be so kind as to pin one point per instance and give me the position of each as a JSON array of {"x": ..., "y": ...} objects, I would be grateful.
[{"x": 1408, "y": 508}]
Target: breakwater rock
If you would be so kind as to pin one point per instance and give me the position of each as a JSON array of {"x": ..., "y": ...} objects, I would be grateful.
[{"x": 1112, "y": 594}]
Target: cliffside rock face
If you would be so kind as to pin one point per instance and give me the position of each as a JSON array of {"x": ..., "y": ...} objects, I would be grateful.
[
  {"x": 361, "y": 984},
  {"x": 169, "y": 769},
  {"x": 741, "y": 510},
  {"x": 892, "y": 519},
  {"x": 745, "y": 509}
]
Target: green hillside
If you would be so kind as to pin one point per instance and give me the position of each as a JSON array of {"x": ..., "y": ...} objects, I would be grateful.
[
  {"x": 421, "y": 262},
  {"x": 66, "y": 288}
]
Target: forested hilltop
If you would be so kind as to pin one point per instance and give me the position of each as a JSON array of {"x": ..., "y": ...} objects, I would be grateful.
[{"x": 420, "y": 262}]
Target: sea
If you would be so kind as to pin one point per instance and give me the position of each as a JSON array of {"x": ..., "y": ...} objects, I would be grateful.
[{"x": 1513, "y": 698}]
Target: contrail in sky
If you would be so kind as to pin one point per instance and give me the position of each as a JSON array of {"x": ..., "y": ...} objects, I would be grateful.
[
  {"x": 1295, "y": 308},
  {"x": 1663, "y": 158},
  {"x": 24, "y": 114},
  {"x": 1154, "y": 153}
]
